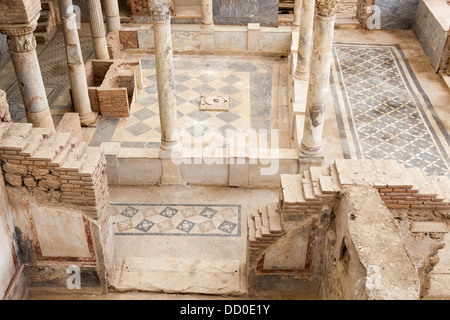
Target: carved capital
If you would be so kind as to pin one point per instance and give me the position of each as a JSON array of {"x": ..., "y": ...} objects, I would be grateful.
[
  {"x": 161, "y": 10},
  {"x": 20, "y": 36},
  {"x": 326, "y": 8}
]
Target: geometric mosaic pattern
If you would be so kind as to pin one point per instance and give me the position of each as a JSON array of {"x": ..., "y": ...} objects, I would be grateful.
[
  {"x": 53, "y": 64},
  {"x": 382, "y": 112},
  {"x": 248, "y": 85},
  {"x": 177, "y": 220}
]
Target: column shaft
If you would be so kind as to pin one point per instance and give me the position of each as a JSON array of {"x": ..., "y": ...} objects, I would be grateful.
[
  {"x": 170, "y": 152},
  {"x": 165, "y": 81},
  {"x": 77, "y": 72},
  {"x": 305, "y": 40},
  {"x": 22, "y": 48},
  {"x": 112, "y": 15},
  {"x": 319, "y": 81},
  {"x": 207, "y": 13},
  {"x": 98, "y": 29},
  {"x": 297, "y": 12}
]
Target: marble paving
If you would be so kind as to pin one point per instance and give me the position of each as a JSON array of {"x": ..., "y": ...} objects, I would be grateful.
[
  {"x": 382, "y": 111},
  {"x": 218, "y": 220},
  {"x": 248, "y": 84},
  {"x": 53, "y": 64}
]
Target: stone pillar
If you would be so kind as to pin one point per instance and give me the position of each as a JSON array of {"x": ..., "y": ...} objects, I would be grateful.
[
  {"x": 305, "y": 40},
  {"x": 170, "y": 149},
  {"x": 22, "y": 48},
  {"x": 207, "y": 14},
  {"x": 77, "y": 72},
  {"x": 112, "y": 15},
  {"x": 297, "y": 13},
  {"x": 98, "y": 29},
  {"x": 319, "y": 77}
]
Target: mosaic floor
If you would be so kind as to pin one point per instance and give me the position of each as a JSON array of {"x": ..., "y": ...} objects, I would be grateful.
[
  {"x": 248, "y": 84},
  {"x": 177, "y": 219},
  {"x": 382, "y": 111}
]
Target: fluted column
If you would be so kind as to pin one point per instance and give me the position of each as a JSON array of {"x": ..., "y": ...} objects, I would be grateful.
[
  {"x": 22, "y": 48},
  {"x": 77, "y": 72},
  {"x": 319, "y": 77},
  {"x": 112, "y": 15},
  {"x": 207, "y": 14},
  {"x": 297, "y": 13},
  {"x": 98, "y": 29},
  {"x": 161, "y": 13},
  {"x": 305, "y": 40}
]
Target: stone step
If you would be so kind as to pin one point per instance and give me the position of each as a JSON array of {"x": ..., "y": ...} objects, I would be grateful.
[
  {"x": 273, "y": 212},
  {"x": 41, "y": 27},
  {"x": 90, "y": 160},
  {"x": 73, "y": 161},
  {"x": 292, "y": 188},
  {"x": 251, "y": 229},
  {"x": 33, "y": 143},
  {"x": 443, "y": 183},
  {"x": 51, "y": 147},
  {"x": 308, "y": 189},
  {"x": 265, "y": 231},
  {"x": 15, "y": 137},
  {"x": 258, "y": 224},
  {"x": 174, "y": 275}
]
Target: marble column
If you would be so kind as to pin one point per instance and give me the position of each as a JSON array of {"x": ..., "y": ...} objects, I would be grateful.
[
  {"x": 319, "y": 77},
  {"x": 98, "y": 29},
  {"x": 305, "y": 40},
  {"x": 207, "y": 14},
  {"x": 112, "y": 15},
  {"x": 22, "y": 49},
  {"x": 77, "y": 72},
  {"x": 297, "y": 13},
  {"x": 170, "y": 148}
]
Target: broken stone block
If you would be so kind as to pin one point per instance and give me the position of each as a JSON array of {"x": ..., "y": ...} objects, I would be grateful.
[
  {"x": 5, "y": 116},
  {"x": 13, "y": 179},
  {"x": 15, "y": 169},
  {"x": 49, "y": 184},
  {"x": 30, "y": 182}
]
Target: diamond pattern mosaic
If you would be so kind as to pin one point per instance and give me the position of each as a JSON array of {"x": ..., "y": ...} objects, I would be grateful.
[
  {"x": 382, "y": 112},
  {"x": 248, "y": 85},
  {"x": 177, "y": 220}
]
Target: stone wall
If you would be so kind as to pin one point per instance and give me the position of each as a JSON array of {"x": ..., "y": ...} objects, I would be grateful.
[
  {"x": 365, "y": 257},
  {"x": 398, "y": 14},
  {"x": 314, "y": 220},
  {"x": 431, "y": 27},
  {"x": 4, "y": 55},
  {"x": 250, "y": 39},
  {"x": 10, "y": 266},
  {"x": 58, "y": 191},
  {"x": 242, "y": 12}
]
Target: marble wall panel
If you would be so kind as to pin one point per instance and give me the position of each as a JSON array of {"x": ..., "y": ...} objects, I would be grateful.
[
  {"x": 397, "y": 14},
  {"x": 242, "y": 12}
]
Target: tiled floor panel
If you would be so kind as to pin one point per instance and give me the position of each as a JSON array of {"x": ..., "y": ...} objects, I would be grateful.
[{"x": 382, "y": 111}]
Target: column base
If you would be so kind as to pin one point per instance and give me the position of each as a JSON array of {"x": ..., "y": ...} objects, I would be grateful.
[
  {"x": 90, "y": 120},
  {"x": 207, "y": 26},
  {"x": 310, "y": 151},
  {"x": 171, "y": 165},
  {"x": 307, "y": 161}
]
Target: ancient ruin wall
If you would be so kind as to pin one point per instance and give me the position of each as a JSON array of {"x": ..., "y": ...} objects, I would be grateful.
[
  {"x": 365, "y": 253},
  {"x": 58, "y": 192}
]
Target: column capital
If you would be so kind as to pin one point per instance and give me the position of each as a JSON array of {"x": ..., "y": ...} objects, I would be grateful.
[
  {"x": 20, "y": 36},
  {"x": 161, "y": 9},
  {"x": 326, "y": 8}
]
